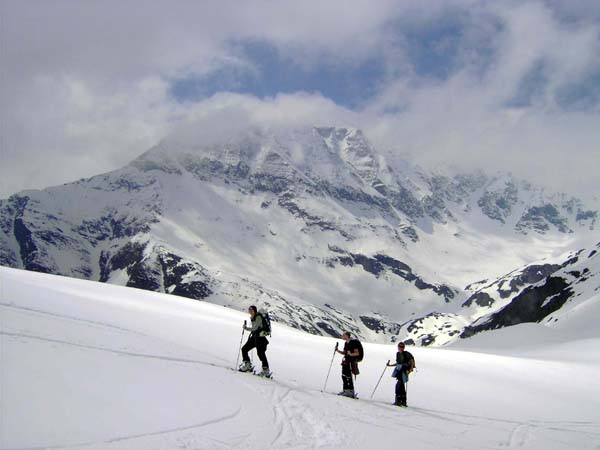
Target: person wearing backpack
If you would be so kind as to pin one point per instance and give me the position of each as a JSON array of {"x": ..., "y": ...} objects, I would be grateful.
[
  {"x": 405, "y": 363},
  {"x": 259, "y": 330},
  {"x": 353, "y": 354}
]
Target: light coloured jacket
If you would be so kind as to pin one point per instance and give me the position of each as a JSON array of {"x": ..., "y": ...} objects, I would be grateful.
[{"x": 257, "y": 324}]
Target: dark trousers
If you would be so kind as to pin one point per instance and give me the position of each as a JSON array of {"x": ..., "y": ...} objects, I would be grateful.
[
  {"x": 400, "y": 391},
  {"x": 260, "y": 343},
  {"x": 347, "y": 377}
]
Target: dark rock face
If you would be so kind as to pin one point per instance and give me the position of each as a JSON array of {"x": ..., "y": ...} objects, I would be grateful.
[
  {"x": 538, "y": 219},
  {"x": 143, "y": 276},
  {"x": 410, "y": 232},
  {"x": 288, "y": 201},
  {"x": 480, "y": 298},
  {"x": 405, "y": 201},
  {"x": 370, "y": 265},
  {"x": 380, "y": 326},
  {"x": 531, "y": 274},
  {"x": 312, "y": 319},
  {"x": 163, "y": 271},
  {"x": 379, "y": 264},
  {"x": 130, "y": 254},
  {"x": 398, "y": 267},
  {"x": 175, "y": 270},
  {"x": 531, "y": 305},
  {"x": 33, "y": 257},
  {"x": 103, "y": 263},
  {"x": 498, "y": 205},
  {"x": 435, "y": 207},
  {"x": 372, "y": 323},
  {"x": 329, "y": 329},
  {"x": 112, "y": 225},
  {"x": 148, "y": 165},
  {"x": 415, "y": 327},
  {"x": 28, "y": 249},
  {"x": 8, "y": 257},
  {"x": 586, "y": 215}
]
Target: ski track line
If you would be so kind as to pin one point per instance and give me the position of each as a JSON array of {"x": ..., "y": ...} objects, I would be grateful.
[
  {"x": 193, "y": 441},
  {"x": 393, "y": 413},
  {"x": 571, "y": 430},
  {"x": 279, "y": 416},
  {"x": 98, "y": 324},
  {"x": 297, "y": 426},
  {"x": 110, "y": 350},
  {"x": 119, "y": 439},
  {"x": 519, "y": 435},
  {"x": 25, "y": 309},
  {"x": 551, "y": 425},
  {"x": 425, "y": 413}
]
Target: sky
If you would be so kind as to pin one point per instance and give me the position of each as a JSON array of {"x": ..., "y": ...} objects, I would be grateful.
[{"x": 85, "y": 87}]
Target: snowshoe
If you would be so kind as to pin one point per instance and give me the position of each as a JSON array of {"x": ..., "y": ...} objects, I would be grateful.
[
  {"x": 266, "y": 373},
  {"x": 348, "y": 393},
  {"x": 246, "y": 367}
]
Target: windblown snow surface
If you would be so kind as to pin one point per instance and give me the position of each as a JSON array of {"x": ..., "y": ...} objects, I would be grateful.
[{"x": 85, "y": 365}]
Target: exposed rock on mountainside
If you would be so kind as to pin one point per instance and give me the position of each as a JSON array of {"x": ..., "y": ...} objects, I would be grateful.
[{"x": 313, "y": 222}]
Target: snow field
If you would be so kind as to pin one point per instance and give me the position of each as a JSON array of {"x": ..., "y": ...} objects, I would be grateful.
[{"x": 86, "y": 365}]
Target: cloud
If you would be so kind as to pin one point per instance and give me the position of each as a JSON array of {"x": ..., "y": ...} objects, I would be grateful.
[
  {"x": 225, "y": 114},
  {"x": 86, "y": 87}
]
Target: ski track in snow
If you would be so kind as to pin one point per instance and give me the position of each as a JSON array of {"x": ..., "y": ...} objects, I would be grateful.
[
  {"x": 119, "y": 439},
  {"x": 288, "y": 415},
  {"x": 103, "y": 325},
  {"x": 297, "y": 427},
  {"x": 30, "y": 310}
]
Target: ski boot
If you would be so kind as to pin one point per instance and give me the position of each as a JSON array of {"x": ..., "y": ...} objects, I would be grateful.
[
  {"x": 266, "y": 373},
  {"x": 246, "y": 367},
  {"x": 347, "y": 393}
]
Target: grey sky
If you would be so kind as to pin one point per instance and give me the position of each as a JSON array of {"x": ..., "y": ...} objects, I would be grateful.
[{"x": 87, "y": 86}]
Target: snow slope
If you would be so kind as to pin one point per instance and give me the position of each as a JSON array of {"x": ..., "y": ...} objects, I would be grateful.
[{"x": 86, "y": 365}]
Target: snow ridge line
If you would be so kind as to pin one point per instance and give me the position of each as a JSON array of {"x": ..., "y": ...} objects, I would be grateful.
[
  {"x": 25, "y": 309},
  {"x": 104, "y": 349},
  {"x": 63, "y": 316},
  {"x": 137, "y": 436}
]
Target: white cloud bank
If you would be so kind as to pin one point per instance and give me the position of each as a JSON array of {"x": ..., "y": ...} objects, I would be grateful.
[{"x": 85, "y": 87}]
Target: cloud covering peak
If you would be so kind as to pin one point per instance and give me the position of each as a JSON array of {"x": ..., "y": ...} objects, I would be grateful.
[{"x": 510, "y": 86}]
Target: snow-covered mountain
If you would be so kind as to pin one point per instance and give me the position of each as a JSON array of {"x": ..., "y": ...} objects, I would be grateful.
[
  {"x": 312, "y": 222},
  {"x": 551, "y": 291}
]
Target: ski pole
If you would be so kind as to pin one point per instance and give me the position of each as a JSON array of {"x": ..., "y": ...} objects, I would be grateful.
[
  {"x": 330, "y": 364},
  {"x": 377, "y": 385},
  {"x": 240, "y": 349}
]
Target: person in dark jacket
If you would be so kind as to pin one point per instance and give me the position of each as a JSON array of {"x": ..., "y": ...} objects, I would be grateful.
[
  {"x": 258, "y": 340},
  {"x": 404, "y": 364},
  {"x": 349, "y": 363}
]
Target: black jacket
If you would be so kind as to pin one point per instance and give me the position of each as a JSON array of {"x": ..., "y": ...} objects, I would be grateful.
[
  {"x": 404, "y": 360},
  {"x": 350, "y": 346}
]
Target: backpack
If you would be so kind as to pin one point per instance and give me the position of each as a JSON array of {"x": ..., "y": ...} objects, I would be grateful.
[
  {"x": 412, "y": 364},
  {"x": 266, "y": 320},
  {"x": 361, "y": 351}
]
